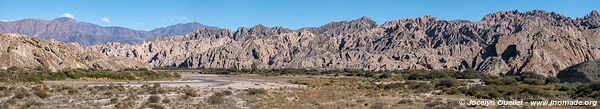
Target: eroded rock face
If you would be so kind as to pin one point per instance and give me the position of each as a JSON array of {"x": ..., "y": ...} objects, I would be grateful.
[
  {"x": 583, "y": 72},
  {"x": 21, "y": 51},
  {"x": 503, "y": 42}
]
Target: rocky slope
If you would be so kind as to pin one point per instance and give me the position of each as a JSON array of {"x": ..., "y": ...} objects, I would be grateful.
[
  {"x": 69, "y": 30},
  {"x": 583, "y": 72},
  {"x": 502, "y": 42},
  {"x": 21, "y": 51}
]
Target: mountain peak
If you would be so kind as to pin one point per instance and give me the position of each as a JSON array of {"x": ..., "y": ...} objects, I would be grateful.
[
  {"x": 64, "y": 19},
  {"x": 259, "y": 26},
  {"x": 363, "y": 18},
  {"x": 594, "y": 13}
]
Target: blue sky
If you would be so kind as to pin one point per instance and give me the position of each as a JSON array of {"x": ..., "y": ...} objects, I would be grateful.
[{"x": 294, "y": 14}]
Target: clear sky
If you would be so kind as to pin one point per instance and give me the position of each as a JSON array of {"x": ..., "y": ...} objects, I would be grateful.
[{"x": 294, "y": 14}]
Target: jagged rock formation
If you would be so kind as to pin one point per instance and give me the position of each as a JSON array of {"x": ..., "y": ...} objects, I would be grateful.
[
  {"x": 583, "y": 72},
  {"x": 21, "y": 51},
  {"x": 69, "y": 30},
  {"x": 502, "y": 42}
]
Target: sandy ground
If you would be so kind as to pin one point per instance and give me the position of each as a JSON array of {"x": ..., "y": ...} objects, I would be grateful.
[{"x": 195, "y": 80}]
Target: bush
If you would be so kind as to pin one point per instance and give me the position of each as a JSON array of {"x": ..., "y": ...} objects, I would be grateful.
[
  {"x": 532, "y": 78},
  {"x": 451, "y": 91},
  {"x": 420, "y": 86},
  {"x": 190, "y": 92},
  {"x": 20, "y": 95},
  {"x": 42, "y": 94},
  {"x": 72, "y": 91},
  {"x": 509, "y": 80},
  {"x": 226, "y": 92},
  {"x": 591, "y": 90},
  {"x": 156, "y": 106},
  {"x": 216, "y": 99},
  {"x": 166, "y": 100},
  {"x": 405, "y": 101},
  {"x": 446, "y": 83},
  {"x": 391, "y": 86},
  {"x": 533, "y": 81},
  {"x": 114, "y": 100},
  {"x": 253, "y": 91},
  {"x": 493, "y": 81},
  {"x": 494, "y": 94},
  {"x": 154, "y": 99},
  {"x": 468, "y": 74},
  {"x": 550, "y": 80}
]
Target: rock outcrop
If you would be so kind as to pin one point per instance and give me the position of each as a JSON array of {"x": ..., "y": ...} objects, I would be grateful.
[
  {"x": 21, "y": 51},
  {"x": 583, "y": 72},
  {"x": 69, "y": 30},
  {"x": 502, "y": 42}
]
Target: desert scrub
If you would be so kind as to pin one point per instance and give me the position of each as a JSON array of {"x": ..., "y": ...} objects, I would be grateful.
[
  {"x": 154, "y": 99},
  {"x": 156, "y": 106},
  {"x": 166, "y": 100},
  {"x": 20, "y": 95},
  {"x": 40, "y": 74},
  {"x": 216, "y": 98},
  {"x": 190, "y": 92},
  {"x": 128, "y": 102},
  {"x": 42, "y": 94},
  {"x": 253, "y": 91}
]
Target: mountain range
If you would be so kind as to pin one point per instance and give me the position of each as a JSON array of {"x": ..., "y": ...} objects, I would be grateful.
[
  {"x": 502, "y": 42},
  {"x": 69, "y": 30}
]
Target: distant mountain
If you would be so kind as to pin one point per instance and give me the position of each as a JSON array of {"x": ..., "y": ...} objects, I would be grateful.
[
  {"x": 179, "y": 29},
  {"x": 69, "y": 30},
  {"x": 501, "y": 43}
]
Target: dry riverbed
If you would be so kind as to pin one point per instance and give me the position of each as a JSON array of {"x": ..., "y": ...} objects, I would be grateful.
[{"x": 194, "y": 80}]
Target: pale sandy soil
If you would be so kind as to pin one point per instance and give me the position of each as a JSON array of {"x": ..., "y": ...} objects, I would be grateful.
[{"x": 194, "y": 80}]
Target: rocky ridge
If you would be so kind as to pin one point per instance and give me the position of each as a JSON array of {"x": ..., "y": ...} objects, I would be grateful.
[
  {"x": 502, "y": 42},
  {"x": 21, "y": 51},
  {"x": 583, "y": 72}
]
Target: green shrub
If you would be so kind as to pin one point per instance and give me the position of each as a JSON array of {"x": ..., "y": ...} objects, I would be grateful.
[
  {"x": 533, "y": 81},
  {"x": 550, "y": 80},
  {"x": 446, "y": 83},
  {"x": 494, "y": 94},
  {"x": 391, "y": 86},
  {"x": 493, "y": 81},
  {"x": 421, "y": 86},
  {"x": 253, "y": 91},
  {"x": 41, "y": 74},
  {"x": 590, "y": 90},
  {"x": 468, "y": 74},
  {"x": 509, "y": 80}
]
